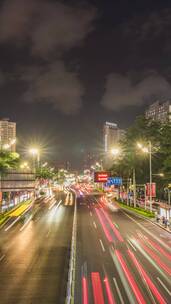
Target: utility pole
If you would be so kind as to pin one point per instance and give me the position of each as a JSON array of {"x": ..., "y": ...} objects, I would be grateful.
[
  {"x": 127, "y": 199},
  {"x": 169, "y": 196},
  {"x": 150, "y": 163},
  {"x": 134, "y": 188},
  {"x": 145, "y": 198}
]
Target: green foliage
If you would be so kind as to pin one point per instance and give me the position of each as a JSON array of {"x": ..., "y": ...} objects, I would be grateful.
[
  {"x": 44, "y": 173},
  {"x": 8, "y": 160},
  {"x": 144, "y": 130},
  {"x": 138, "y": 210}
]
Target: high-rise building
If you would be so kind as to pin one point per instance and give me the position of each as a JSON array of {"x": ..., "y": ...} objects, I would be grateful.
[
  {"x": 7, "y": 135},
  {"x": 159, "y": 111},
  {"x": 112, "y": 136}
]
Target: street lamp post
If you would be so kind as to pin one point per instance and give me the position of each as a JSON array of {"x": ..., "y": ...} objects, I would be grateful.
[
  {"x": 134, "y": 188},
  {"x": 169, "y": 196},
  {"x": 150, "y": 164},
  {"x": 35, "y": 153},
  {"x": 149, "y": 151}
]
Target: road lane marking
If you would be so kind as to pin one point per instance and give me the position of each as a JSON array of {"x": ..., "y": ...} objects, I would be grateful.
[
  {"x": 51, "y": 206},
  {"x": 164, "y": 286},
  {"x": 27, "y": 222},
  {"x": 101, "y": 243},
  {"x": 118, "y": 291},
  {"x": 2, "y": 257},
  {"x": 132, "y": 245},
  {"x": 91, "y": 213},
  {"x": 56, "y": 205},
  {"x": 94, "y": 225},
  {"x": 12, "y": 224}
]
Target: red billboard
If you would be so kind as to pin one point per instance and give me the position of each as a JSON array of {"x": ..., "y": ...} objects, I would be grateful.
[
  {"x": 101, "y": 176},
  {"x": 153, "y": 189}
]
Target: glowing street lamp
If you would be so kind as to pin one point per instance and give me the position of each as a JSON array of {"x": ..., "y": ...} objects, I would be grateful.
[
  {"x": 35, "y": 153},
  {"x": 148, "y": 150},
  {"x": 139, "y": 145},
  {"x": 24, "y": 165},
  {"x": 115, "y": 151}
]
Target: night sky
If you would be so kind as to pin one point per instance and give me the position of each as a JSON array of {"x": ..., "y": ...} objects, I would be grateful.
[{"x": 66, "y": 67}]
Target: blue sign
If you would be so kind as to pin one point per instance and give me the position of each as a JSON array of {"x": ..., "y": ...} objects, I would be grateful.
[{"x": 117, "y": 181}]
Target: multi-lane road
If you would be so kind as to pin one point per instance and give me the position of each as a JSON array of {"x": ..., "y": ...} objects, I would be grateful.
[
  {"x": 34, "y": 256},
  {"x": 120, "y": 257}
]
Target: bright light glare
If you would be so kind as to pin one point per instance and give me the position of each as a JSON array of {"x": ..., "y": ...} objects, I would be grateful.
[
  {"x": 6, "y": 146},
  {"x": 115, "y": 151},
  {"x": 139, "y": 145},
  {"x": 145, "y": 150},
  {"x": 24, "y": 165},
  {"x": 34, "y": 151}
]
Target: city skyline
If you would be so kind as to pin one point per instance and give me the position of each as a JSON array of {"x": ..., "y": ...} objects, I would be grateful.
[{"x": 85, "y": 152}]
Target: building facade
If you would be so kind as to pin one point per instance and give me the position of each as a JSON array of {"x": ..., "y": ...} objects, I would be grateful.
[
  {"x": 112, "y": 136},
  {"x": 8, "y": 135},
  {"x": 159, "y": 111}
]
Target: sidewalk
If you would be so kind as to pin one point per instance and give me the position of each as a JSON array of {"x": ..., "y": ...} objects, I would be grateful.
[{"x": 168, "y": 229}]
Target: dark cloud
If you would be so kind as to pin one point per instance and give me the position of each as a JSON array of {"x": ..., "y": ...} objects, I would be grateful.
[
  {"x": 2, "y": 78},
  {"x": 121, "y": 91},
  {"x": 55, "y": 85},
  {"x": 149, "y": 26},
  {"x": 45, "y": 26}
]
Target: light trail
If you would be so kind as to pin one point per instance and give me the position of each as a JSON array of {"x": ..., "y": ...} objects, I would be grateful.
[
  {"x": 134, "y": 286},
  {"x": 157, "y": 259},
  {"x": 160, "y": 249},
  {"x": 140, "y": 248},
  {"x": 116, "y": 232},
  {"x": 101, "y": 243},
  {"x": 118, "y": 291},
  {"x": 97, "y": 288},
  {"x": 148, "y": 232},
  {"x": 108, "y": 291},
  {"x": 164, "y": 286},
  {"x": 84, "y": 291},
  {"x": 108, "y": 236},
  {"x": 151, "y": 285}
]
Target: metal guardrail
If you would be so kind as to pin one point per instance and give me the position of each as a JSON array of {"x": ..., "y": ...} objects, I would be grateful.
[{"x": 72, "y": 263}]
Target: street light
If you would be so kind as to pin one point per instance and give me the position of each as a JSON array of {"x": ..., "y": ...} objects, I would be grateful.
[
  {"x": 24, "y": 165},
  {"x": 159, "y": 174},
  {"x": 35, "y": 153},
  {"x": 115, "y": 151},
  {"x": 139, "y": 145},
  {"x": 148, "y": 150}
]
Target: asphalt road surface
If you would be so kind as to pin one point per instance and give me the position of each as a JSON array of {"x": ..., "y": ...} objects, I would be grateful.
[
  {"x": 120, "y": 257},
  {"x": 34, "y": 256}
]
